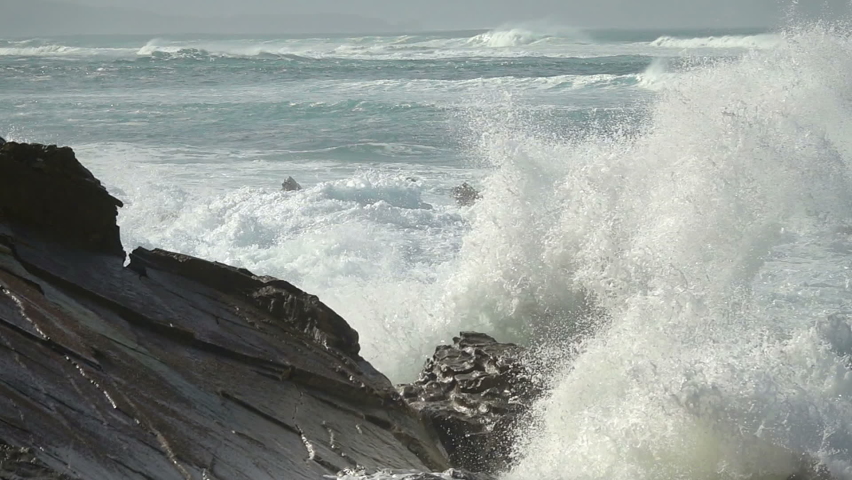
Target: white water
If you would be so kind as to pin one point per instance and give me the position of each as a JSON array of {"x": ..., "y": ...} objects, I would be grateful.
[
  {"x": 510, "y": 41},
  {"x": 62, "y": 51},
  {"x": 726, "y": 41},
  {"x": 711, "y": 240}
]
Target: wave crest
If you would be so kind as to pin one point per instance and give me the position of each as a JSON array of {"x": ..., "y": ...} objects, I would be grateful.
[
  {"x": 514, "y": 37},
  {"x": 60, "y": 51},
  {"x": 725, "y": 41},
  {"x": 157, "y": 48}
]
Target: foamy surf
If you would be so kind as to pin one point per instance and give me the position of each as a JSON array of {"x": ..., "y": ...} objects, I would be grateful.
[
  {"x": 61, "y": 51},
  {"x": 509, "y": 42},
  {"x": 726, "y": 41},
  {"x": 694, "y": 373}
]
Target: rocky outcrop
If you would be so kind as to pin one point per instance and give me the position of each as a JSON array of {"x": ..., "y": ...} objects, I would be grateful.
[
  {"x": 172, "y": 367},
  {"x": 465, "y": 195},
  {"x": 474, "y": 392},
  {"x": 47, "y": 190},
  {"x": 290, "y": 185},
  {"x": 22, "y": 463}
]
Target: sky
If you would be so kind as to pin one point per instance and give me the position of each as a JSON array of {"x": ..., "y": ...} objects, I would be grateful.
[
  {"x": 474, "y": 14},
  {"x": 487, "y": 13}
]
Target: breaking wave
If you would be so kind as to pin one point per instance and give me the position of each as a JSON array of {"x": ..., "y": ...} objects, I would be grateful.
[
  {"x": 60, "y": 51},
  {"x": 727, "y": 41},
  {"x": 507, "y": 38},
  {"x": 698, "y": 236}
]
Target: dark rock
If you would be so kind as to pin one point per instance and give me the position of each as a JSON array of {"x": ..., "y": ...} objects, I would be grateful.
[
  {"x": 45, "y": 188},
  {"x": 280, "y": 299},
  {"x": 465, "y": 195},
  {"x": 474, "y": 392},
  {"x": 173, "y": 367},
  {"x": 2, "y": 141},
  {"x": 22, "y": 463},
  {"x": 290, "y": 185}
]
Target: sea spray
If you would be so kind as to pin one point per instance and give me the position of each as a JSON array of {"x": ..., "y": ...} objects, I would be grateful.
[
  {"x": 695, "y": 373},
  {"x": 196, "y": 134},
  {"x": 726, "y": 41}
]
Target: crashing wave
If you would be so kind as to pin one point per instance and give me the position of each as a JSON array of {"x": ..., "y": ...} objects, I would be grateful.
[
  {"x": 514, "y": 37},
  {"x": 60, "y": 51},
  {"x": 726, "y": 41},
  {"x": 156, "y": 48},
  {"x": 712, "y": 363}
]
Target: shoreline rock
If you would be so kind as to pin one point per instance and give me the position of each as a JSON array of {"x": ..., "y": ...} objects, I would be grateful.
[
  {"x": 290, "y": 185},
  {"x": 474, "y": 392},
  {"x": 465, "y": 195},
  {"x": 172, "y": 367}
]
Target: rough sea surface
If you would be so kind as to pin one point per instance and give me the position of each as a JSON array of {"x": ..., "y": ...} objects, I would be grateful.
[{"x": 696, "y": 185}]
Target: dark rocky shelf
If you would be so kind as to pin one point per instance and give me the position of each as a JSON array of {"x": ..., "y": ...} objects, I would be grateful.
[{"x": 171, "y": 367}]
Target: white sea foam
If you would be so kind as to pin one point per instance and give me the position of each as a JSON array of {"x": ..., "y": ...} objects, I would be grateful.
[
  {"x": 508, "y": 42},
  {"x": 516, "y": 41},
  {"x": 61, "y": 51},
  {"x": 688, "y": 234},
  {"x": 370, "y": 243},
  {"x": 513, "y": 37},
  {"x": 726, "y": 41}
]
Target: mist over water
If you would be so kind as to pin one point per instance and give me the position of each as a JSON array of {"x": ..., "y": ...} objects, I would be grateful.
[{"x": 665, "y": 216}]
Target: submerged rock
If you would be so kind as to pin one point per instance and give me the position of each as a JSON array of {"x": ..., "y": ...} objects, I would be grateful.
[
  {"x": 290, "y": 185},
  {"x": 172, "y": 367},
  {"x": 465, "y": 195},
  {"x": 474, "y": 392}
]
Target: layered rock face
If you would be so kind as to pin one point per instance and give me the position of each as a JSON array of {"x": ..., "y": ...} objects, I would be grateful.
[
  {"x": 474, "y": 392},
  {"x": 172, "y": 367}
]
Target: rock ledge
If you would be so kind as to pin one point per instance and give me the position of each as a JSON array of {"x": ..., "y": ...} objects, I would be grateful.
[{"x": 173, "y": 367}]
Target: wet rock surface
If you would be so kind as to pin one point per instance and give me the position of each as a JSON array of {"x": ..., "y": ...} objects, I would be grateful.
[
  {"x": 46, "y": 189},
  {"x": 22, "y": 463},
  {"x": 172, "y": 367},
  {"x": 465, "y": 195},
  {"x": 474, "y": 392},
  {"x": 290, "y": 185}
]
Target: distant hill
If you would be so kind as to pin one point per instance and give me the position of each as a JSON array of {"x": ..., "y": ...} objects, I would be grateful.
[{"x": 21, "y": 18}]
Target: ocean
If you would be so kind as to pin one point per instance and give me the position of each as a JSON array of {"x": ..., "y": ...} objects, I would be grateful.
[{"x": 695, "y": 185}]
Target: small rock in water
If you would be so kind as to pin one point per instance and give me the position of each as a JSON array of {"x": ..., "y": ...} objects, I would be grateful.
[
  {"x": 474, "y": 392},
  {"x": 465, "y": 195},
  {"x": 291, "y": 185}
]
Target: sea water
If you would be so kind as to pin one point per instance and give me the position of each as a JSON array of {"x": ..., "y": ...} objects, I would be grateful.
[{"x": 694, "y": 187}]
